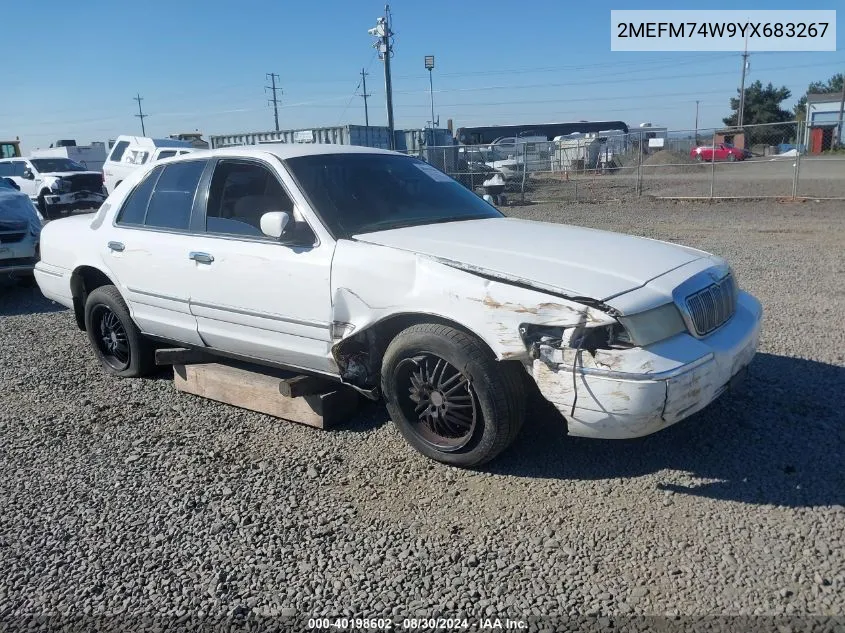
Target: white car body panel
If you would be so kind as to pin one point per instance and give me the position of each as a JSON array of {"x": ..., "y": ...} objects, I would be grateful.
[
  {"x": 558, "y": 257},
  {"x": 313, "y": 307}
]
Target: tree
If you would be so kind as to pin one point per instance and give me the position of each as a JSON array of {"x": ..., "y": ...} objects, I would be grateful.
[
  {"x": 762, "y": 105},
  {"x": 831, "y": 86}
]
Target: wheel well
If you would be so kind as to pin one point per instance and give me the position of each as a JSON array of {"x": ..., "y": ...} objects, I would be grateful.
[
  {"x": 359, "y": 356},
  {"x": 83, "y": 281}
]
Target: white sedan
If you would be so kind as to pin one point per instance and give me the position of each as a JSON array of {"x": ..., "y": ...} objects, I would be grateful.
[{"x": 379, "y": 271}]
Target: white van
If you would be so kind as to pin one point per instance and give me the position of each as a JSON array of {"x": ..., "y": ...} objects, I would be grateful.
[{"x": 130, "y": 152}]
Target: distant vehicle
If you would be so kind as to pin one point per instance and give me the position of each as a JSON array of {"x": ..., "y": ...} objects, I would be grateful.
[
  {"x": 91, "y": 156},
  {"x": 56, "y": 185},
  {"x": 10, "y": 149},
  {"x": 377, "y": 270},
  {"x": 513, "y": 155},
  {"x": 130, "y": 152},
  {"x": 719, "y": 151},
  {"x": 194, "y": 138},
  {"x": 20, "y": 231}
]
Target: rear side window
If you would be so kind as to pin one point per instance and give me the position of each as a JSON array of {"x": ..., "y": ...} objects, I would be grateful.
[
  {"x": 173, "y": 198},
  {"x": 166, "y": 153},
  {"x": 117, "y": 151},
  {"x": 5, "y": 169},
  {"x": 135, "y": 207}
]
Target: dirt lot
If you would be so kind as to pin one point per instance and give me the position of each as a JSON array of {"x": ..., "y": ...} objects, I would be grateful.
[
  {"x": 821, "y": 177},
  {"x": 122, "y": 496}
]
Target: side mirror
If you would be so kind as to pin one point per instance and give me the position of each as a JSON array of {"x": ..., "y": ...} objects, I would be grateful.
[
  {"x": 28, "y": 175},
  {"x": 273, "y": 224}
]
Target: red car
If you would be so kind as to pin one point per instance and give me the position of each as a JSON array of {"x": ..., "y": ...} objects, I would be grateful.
[{"x": 721, "y": 151}]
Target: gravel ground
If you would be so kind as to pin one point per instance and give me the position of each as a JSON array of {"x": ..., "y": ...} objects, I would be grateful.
[
  {"x": 125, "y": 497},
  {"x": 819, "y": 177}
]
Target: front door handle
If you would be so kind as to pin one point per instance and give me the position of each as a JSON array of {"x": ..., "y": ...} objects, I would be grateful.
[
  {"x": 116, "y": 246},
  {"x": 202, "y": 258}
]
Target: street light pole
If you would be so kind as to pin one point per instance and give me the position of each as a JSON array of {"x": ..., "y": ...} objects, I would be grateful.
[
  {"x": 429, "y": 64},
  {"x": 696, "y": 121}
]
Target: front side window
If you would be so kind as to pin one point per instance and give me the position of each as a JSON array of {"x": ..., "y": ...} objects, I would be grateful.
[
  {"x": 135, "y": 207},
  {"x": 166, "y": 154},
  {"x": 173, "y": 197},
  {"x": 18, "y": 168},
  {"x": 239, "y": 194},
  {"x": 362, "y": 192}
]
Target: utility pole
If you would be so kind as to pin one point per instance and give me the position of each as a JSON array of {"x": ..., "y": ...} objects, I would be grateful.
[
  {"x": 141, "y": 114},
  {"x": 385, "y": 49},
  {"x": 274, "y": 100},
  {"x": 365, "y": 94},
  {"x": 741, "y": 113},
  {"x": 696, "y": 121}
]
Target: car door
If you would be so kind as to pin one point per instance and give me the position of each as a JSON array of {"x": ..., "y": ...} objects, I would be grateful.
[
  {"x": 29, "y": 185},
  {"x": 147, "y": 251},
  {"x": 254, "y": 295}
]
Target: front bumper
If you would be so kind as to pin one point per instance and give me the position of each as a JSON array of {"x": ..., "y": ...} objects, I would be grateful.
[
  {"x": 613, "y": 404},
  {"x": 74, "y": 200}
]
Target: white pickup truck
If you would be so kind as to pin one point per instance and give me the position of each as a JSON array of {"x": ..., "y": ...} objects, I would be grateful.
[
  {"x": 377, "y": 270},
  {"x": 56, "y": 185}
]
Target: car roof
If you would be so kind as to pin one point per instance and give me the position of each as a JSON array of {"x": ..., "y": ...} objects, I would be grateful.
[{"x": 282, "y": 151}]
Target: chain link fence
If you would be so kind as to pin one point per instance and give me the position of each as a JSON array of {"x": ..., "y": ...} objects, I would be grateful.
[{"x": 779, "y": 161}]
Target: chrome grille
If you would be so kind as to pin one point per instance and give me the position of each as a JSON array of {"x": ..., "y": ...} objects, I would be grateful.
[{"x": 713, "y": 306}]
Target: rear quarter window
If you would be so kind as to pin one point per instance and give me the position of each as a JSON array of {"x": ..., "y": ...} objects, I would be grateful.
[
  {"x": 135, "y": 207},
  {"x": 117, "y": 151},
  {"x": 173, "y": 197}
]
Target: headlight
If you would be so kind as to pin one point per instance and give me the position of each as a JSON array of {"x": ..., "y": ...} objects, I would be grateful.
[
  {"x": 607, "y": 337},
  {"x": 60, "y": 185},
  {"x": 654, "y": 325}
]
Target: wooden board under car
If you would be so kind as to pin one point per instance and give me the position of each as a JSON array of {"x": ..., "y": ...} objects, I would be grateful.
[{"x": 263, "y": 392}]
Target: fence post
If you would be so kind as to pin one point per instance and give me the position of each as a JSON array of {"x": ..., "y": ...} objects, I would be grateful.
[
  {"x": 712, "y": 164},
  {"x": 524, "y": 171},
  {"x": 640, "y": 167},
  {"x": 795, "y": 173}
]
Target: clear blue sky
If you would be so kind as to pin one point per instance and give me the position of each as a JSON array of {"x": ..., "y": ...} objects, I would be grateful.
[{"x": 71, "y": 70}]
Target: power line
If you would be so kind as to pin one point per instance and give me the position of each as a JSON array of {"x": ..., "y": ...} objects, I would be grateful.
[
  {"x": 141, "y": 114},
  {"x": 274, "y": 100}
]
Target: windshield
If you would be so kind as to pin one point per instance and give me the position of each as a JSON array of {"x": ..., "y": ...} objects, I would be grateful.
[
  {"x": 362, "y": 193},
  {"x": 50, "y": 165}
]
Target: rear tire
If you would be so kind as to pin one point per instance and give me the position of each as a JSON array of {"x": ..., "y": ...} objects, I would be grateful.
[
  {"x": 449, "y": 397},
  {"x": 699, "y": 158},
  {"x": 118, "y": 343}
]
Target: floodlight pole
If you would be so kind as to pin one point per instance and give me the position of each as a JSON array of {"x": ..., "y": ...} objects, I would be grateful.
[{"x": 429, "y": 64}]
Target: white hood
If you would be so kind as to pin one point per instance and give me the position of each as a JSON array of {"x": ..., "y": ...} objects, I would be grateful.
[{"x": 572, "y": 260}]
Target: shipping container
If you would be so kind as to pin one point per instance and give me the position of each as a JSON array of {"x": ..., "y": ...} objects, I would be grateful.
[
  {"x": 435, "y": 146},
  {"x": 372, "y": 136}
]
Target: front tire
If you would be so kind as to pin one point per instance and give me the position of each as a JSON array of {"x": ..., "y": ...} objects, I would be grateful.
[
  {"x": 731, "y": 158},
  {"x": 42, "y": 206},
  {"x": 449, "y": 397},
  {"x": 118, "y": 343}
]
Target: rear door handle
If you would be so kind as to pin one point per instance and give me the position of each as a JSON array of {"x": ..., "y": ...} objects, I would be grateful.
[
  {"x": 202, "y": 258},
  {"x": 116, "y": 246}
]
